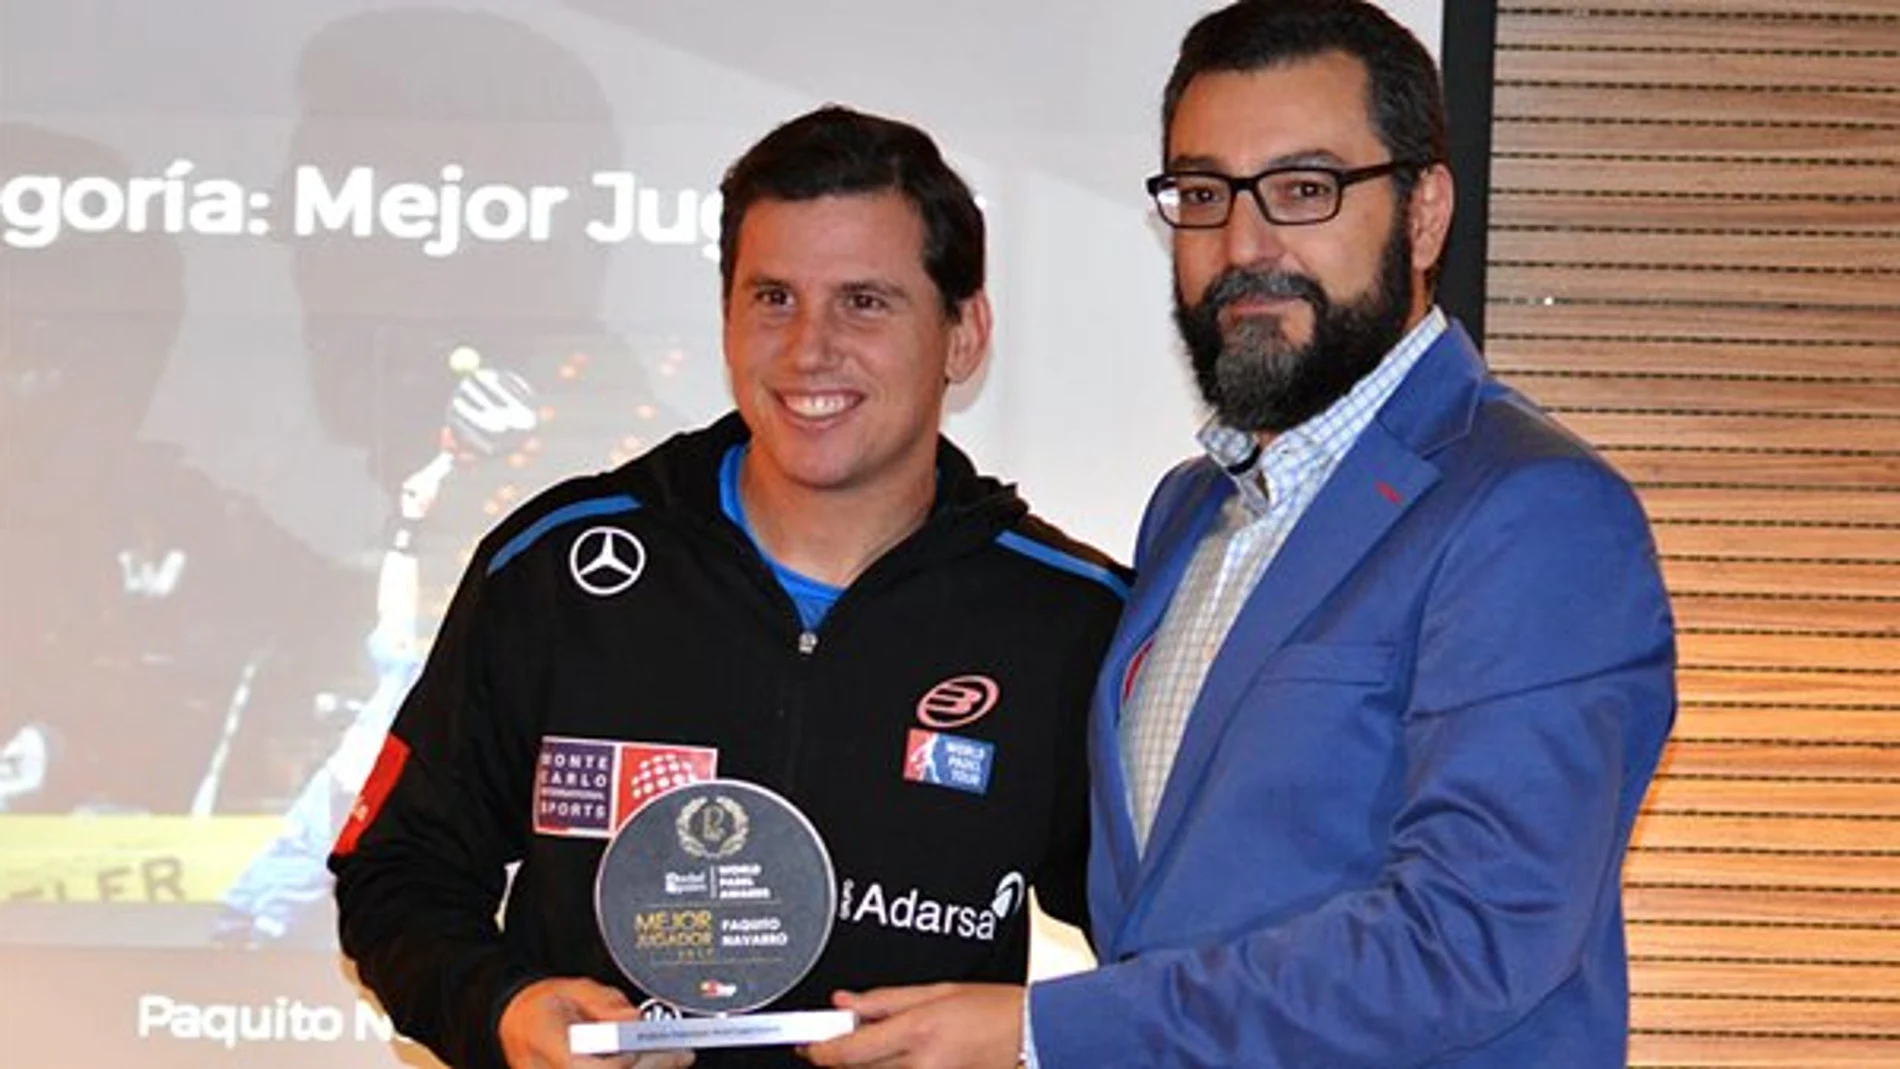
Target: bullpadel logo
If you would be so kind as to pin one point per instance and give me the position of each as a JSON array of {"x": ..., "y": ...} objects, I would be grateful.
[{"x": 956, "y": 702}]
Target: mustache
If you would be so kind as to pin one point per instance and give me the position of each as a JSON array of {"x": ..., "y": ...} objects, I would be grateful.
[{"x": 1238, "y": 284}]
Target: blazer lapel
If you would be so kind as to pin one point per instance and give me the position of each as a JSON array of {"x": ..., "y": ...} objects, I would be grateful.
[
  {"x": 1158, "y": 575},
  {"x": 1379, "y": 479}
]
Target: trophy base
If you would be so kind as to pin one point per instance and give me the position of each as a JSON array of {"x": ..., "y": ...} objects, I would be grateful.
[{"x": 697, "y": 1033}]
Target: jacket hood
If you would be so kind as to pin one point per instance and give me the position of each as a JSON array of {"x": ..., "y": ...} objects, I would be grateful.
[{"x": 682, "y": 474}]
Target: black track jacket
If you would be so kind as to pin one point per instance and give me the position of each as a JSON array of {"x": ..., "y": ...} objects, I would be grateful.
[{"x": 677, "y": 640}]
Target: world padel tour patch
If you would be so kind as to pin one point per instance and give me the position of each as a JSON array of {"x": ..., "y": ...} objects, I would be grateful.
[{"x": 947, "y": 760}]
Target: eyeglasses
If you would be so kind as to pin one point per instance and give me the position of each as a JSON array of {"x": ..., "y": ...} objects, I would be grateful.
[{"x": 1288, "y": 196}]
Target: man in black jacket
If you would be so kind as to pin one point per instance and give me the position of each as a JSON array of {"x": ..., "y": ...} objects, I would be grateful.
[{"x": 816, "y": 594}]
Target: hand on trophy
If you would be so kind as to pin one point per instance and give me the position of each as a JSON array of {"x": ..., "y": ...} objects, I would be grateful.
[
  {"x": 931, "y": 1026},
  {"x": 534, "y": 1027}
]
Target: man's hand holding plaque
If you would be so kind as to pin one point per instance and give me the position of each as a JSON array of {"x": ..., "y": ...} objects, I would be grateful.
[{"x": 534, "y": 1026}]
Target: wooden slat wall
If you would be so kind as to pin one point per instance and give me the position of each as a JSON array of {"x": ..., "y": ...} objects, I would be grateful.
[{"x": 1695, "y": 262}]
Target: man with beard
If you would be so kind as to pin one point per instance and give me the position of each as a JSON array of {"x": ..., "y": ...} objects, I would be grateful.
[{"x": 1370, "y": 739}]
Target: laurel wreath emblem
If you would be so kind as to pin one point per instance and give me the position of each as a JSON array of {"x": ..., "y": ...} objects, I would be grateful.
[{"x": 722, "y": 832}]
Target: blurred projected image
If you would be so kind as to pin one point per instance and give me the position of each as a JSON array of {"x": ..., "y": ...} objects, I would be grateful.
[
  {"x": 159, "y": 629},
  {"x": 466, "y": 381},
  {"x": 193, "y": 695},
  {"x": 491, "y": 413}
]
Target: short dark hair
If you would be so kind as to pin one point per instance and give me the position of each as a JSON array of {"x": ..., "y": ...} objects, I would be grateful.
[
  {"x": 1406, "y": 100},
  {"x": 836, "y": 150}
]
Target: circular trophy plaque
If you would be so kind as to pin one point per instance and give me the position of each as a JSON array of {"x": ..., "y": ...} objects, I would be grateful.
[{"x": 717, "y": 897}]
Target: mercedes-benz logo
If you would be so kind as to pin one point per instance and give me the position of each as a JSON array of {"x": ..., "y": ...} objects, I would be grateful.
[{"x": 606, "y": 560}]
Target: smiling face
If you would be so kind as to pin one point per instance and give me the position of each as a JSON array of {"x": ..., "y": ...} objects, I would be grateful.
[
  {"x": 1282, "y": 320},
  {"x": 838, "y": 347}
]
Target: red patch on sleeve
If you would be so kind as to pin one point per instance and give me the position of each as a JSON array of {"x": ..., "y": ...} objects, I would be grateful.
[
  {"x": 369, "y": 801},
  {"x": 1386, "y": 491}
]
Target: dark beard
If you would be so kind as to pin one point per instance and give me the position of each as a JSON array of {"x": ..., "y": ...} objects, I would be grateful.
[{"x": 1254, "y": 379}]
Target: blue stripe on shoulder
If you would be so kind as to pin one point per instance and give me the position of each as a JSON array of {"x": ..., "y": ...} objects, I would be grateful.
[
  {"x": 579, "y": 510},
  {"x": 1055, "y": 558}
]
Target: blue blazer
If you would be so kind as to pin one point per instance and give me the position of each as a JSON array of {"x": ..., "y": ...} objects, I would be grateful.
[{"x": 1393, "y": 834}]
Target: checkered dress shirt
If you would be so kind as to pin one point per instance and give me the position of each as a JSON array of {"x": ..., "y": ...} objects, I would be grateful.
[{"x": 1274, "y": 492}]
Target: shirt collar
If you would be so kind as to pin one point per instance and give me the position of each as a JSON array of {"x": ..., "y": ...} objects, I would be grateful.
[{"x": 1322, "y": 441}]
